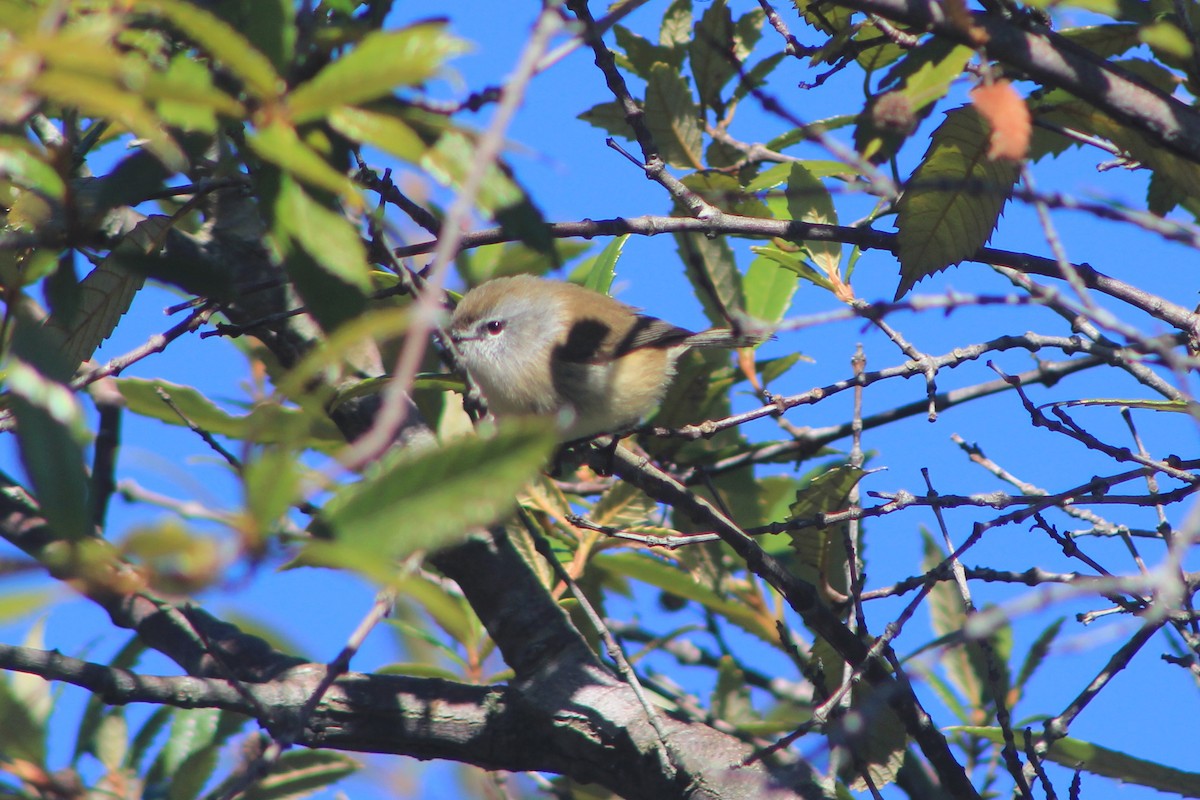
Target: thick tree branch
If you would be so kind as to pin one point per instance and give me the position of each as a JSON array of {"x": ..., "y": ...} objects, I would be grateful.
[{"x": 1051, "y": 59}]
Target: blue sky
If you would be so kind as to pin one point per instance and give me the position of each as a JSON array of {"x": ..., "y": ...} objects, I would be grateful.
[{"x": 572, "y": 175}]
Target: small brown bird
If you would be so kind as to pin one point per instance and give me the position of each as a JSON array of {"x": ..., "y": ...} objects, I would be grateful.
[{"x": 537, "y": 346}]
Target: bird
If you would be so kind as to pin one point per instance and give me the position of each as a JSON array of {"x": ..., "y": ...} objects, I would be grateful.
[{"x": 536, "y": 346}]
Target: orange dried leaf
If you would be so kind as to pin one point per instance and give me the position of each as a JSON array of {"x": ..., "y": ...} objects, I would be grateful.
[{"x": 1008, "y": 117}]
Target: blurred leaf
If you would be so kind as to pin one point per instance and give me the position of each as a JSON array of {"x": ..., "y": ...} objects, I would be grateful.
[
  {"x": 1079, "y": 754},
  {"x": 1037, "y": 653},
  {"x": 379, "y": 63},
  {"x": 419, "y": 500},
  {"x": 388, "y": 132},
  {"x": 270, "y": 25},
  {"x": 16, "y": 605},
  {"x": 952, "y": 201},
  {"x": 278, "y": 143},
  {"x": 731, "y": 697},
  {"x": 189, "y": 780},
  {"x": 146, "y": 735},
  {"x": 111, "y": 742},
  {"x": 192, "y": 731},
  {"x": 673, "y": 118},
  {"x": 712, "y": 54},
  {"x": 223, "y": 42},
  {"x": 50, "y": 435},
  {"x": 325, "y": 234},
  {"x": 299, "y": 773},
  {"x": 97, "y": 97},
  {"x": 25, "y": 164},
  {"x": 24, "y": 737},
  {"x": 267, "y": 423},
  {"x": 676, "y": 28},
  {"x": 651, "y": 570},
  {"x": 622, "y": 506}
]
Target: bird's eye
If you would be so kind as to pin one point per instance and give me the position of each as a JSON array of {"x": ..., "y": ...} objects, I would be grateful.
[{"x": 495, "y": 326}]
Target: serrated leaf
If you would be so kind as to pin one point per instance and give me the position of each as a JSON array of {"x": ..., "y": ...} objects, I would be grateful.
[
  {"x": 676, "y": 28},
  {"x": 223, "y": 42},
  {"x": 712, "y": 54},
  {"x": 415, "y": 501},
  {"x": 608, "y": 117},
  {"x": 106, "y": 294},
  {"x": 952, "y": 201},
  {"x": 379, "y": 63},
  {"x": 1079, "y": 754},
  {"x": 673, "y": 118},
  {"x": 713, "y": 272}
]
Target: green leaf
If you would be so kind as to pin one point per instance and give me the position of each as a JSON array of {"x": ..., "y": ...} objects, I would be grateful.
[
  {"x": 713, "y": 272},
  {"x": 326, "y": 235},
  {"x": 100, "y": 98},
  {"x": 23, "y": 163},
  {"x": 378, "y": 326},
  {"x": 388, "y": 132},
  {"x": 641, "y": 54},
  {"x": 279, "y": 144},
  {"x": 267, "y": 423},
  {"x": 668, "y": 577},
  {"x": 953, "y": 199},
  {"x": 1078, "y": 754},
  {"x": 821, "y": 552},
  {"x": 50, "y": 435},
  {"x": 146, "y": 735},
  {"x": 724, "y": 192},
  {"x": 270, "y": 25},
  {"x": 768, "y": 289},
  {"x": 429, "y": 499},
  {"x": 731, "y": 696},
  {"x": 808, "y": 200},
  {"x": 105, "y": 295},
  {"x": 712, "y": 54},
  {"x": 16, "y": 605},
  {"x": 188, "y": 781},
  {"x": 111, "y": 740},
  {"x": 379, "y": 63},
  {"x": 673, "y": 118},
  {"x": 676, "y": 28},
  {"x": 604, "y": 268},
  {"x": 299, "y": 773},
  {"x": 610, "y": 118},
  {"x": 1038, "y": 652},
  {"x": 223, "y": 42},
  {"x": 192, "y": 731},
  {"x": 24, "y": 736}
]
